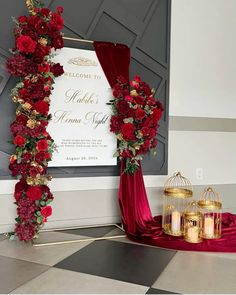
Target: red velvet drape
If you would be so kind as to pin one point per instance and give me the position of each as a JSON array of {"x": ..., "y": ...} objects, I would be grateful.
[
  {"x": 114, "y": 59},
  {"x": 136, "y": 215}
]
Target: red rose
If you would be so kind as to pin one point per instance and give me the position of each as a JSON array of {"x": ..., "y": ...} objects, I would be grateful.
[
  {"x": 41, "y": 107},
  {"x": 122, "y": 80},
  {"x": 127, "y": 131},
  {"x": 40, "y": 52},
  {"x": 47, "y": 156},
  {"x": 57, "y": 21},
  {"x": 139, "y": 100},
  {"x": 22, "y": 19},
  {"x": 60, "y": 9},
  {"x": 123, "y": 107},
  {"x": 41, "y": 27},
  {"x": 57, "y": 42},
  {"x": 42, "y": 145},
  {"x": 25, "y": 44},
  {"x": 19, "y": 141},
  {"x": 57, "y": 70},
  {"x": 46, "y": 211},
  {"x": 26, "y": 157},
  {"x": 140, "y": 114},
  {"x": 33, "y": 20},
  {"x": 34, "y": 193},
  {"x": 150, "y": 122},
  {"x": 157, "y": 113},
  {"x": 153, "y": 143},
  {"x": 22, "y": 119},
  {"x": 21, "y": 186},
  {"x": 153, "y": 132},
  {"x": 145, "y": 131},
  {"x": 127, "y": 154},
  {"x": 45, "y": 12},
  {"x": 43, "y": 68}
]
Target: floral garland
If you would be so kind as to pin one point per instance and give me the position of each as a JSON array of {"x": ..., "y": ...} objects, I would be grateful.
[
  {"x": 135, "y": 121},
  {"x": 36, "y": 36}
]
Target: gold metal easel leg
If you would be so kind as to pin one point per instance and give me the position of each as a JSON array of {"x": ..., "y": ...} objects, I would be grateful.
[{"x": 81, "y": 240}]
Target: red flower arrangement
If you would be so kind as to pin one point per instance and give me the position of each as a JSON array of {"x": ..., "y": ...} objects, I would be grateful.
[
  {"x": 135, "y": 120},
  {"x": 36, "y": 35}
]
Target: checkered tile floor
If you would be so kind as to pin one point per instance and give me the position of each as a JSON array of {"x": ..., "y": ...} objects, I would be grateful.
[{"x": 110, "y": 266}]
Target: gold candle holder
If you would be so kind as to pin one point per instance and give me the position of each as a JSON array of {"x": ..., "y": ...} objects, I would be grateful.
[
  {"x": 211, "y": 209},
  {"x": 192, "y": 223},
  {"x": 177, "y": 191}
]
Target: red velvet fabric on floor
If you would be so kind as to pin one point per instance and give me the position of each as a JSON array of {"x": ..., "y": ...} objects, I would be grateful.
[{"x": 136, "y": 215}]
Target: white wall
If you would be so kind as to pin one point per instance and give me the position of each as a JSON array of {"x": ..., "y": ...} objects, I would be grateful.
[
  {"x": 202, "y": 84},
  {"x": 203, "y": 64}
]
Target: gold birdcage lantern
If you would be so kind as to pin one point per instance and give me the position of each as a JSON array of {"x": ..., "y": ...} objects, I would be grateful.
[
  {"x": 177, "y": 192},
  {"x": 210, "y": 206},
  {"x": 192, "y": 223}
]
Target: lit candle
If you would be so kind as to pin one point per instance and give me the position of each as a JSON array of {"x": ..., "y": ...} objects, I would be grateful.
[
  {"x": 175, "y": 221},
  {"x": 192, "y": 234},
  {"x": 209, "y": 226}
]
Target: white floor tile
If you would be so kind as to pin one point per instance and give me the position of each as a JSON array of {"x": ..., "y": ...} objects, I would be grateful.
[{"x": 68, "y": 282}]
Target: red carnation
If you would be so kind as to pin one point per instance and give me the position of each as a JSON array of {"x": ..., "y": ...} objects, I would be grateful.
[
  {"x": 57, "y": 70},
  {"x": 140, "y": 114},
  {"x": 46, "y": 211},
  {"x": 19, "y": 141},
  {"x": 123, "y": 107},
  {"x": 42, "y": 145},
  {"x": 34, "y": 193},
  {"x": 128, "y": 131},
  {"x": 25, "y": 44},
  {"x": 41, "y": 107},
  {"x": 57, "y": 21}
]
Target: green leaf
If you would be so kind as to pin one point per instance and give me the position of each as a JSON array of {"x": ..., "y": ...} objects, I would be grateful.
[
  {"x": 39, "y": 219},
  {"x": 42, "y": 203},
  {"x": 116, "y": 154},
  {"x": 48, "y": 201}
]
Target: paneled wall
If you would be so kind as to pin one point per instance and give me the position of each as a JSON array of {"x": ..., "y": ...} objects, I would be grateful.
[{"x": 143, "y": 25}]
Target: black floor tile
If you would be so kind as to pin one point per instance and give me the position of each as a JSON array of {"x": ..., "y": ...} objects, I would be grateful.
[
  {"x": 157, "y": 291},
  {"x": 120, "y": 261},
  {"x": 94, "y": 232}
]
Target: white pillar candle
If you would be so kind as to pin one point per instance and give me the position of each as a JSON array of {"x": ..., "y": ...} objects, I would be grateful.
[
  {"x": 175, "y": 221},
  {"x": 192, "y": 234},
  {"x": 209, "y": 226}
]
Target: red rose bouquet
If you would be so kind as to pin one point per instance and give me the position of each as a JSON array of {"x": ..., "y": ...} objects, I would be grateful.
[
  {"x": 135, "y": 120},
  {"x": 36, "y": 36}
]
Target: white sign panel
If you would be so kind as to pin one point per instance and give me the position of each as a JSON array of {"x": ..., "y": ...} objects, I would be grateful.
[{"x": 80, "y": 115}]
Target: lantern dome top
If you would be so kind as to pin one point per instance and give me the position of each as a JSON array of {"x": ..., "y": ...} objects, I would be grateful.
[
  {"x": 210, "y": 200},
  {"x": 178, "y": 186},
  {"x": 192, "y": 211}
]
